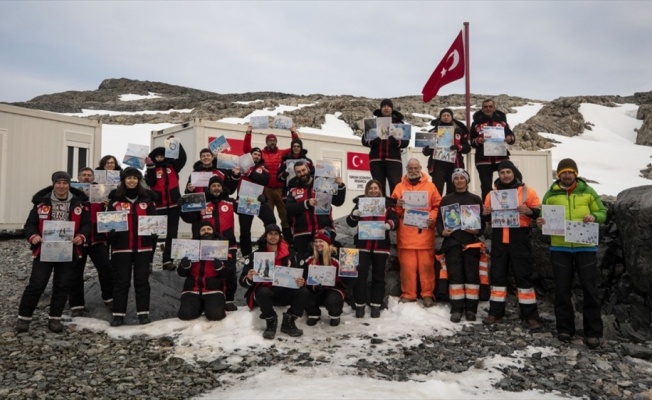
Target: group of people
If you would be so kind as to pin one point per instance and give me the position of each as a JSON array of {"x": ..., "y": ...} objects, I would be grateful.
[{"x": 307, "y": 238}]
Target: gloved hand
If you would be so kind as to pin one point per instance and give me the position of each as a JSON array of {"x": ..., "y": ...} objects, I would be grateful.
[
  {"x": 217, "y": 263},
  {"x": 154, "y": 238},
  {"x": 392, "y": 140},
  {"x": 355, "y": 213},
  {"x": 261, "y": 198},
  {"x": 112, "y": 235},
  {"x": 284, "y": 175},
  {"x": 185, "y": 263},
  {"x": 388, "y": 227},
  {"x": 182, "y": 200},
  {"x": 149, "y": 162}
]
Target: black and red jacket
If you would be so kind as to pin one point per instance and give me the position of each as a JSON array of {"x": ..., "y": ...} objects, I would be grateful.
[
  {"x": 282, "y": 173},
  {"x": 390, "y": 217},
  {"x": 386, "y": 149},
  {"x": 257, "y": 174},
  {"x": 129, "y": 241},
  {"x": 304, "y": 219},
  {"x": 163, "y": 179},
  {"x": 339, "y": 285},
  {"x": 271, "y": 158},
  {"x": 480, "y": 120},
  {"x": 220, "y": 213},
  {"x": 464, "y": 146},
  {"x": 224, "y": 174},
  {"x": 42, "y": 211},
  {"x": 203, "y": 277},
  {"x": 284, "y": 257}
]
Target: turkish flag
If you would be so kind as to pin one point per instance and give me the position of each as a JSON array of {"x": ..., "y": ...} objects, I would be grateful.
[
  {"x": 450, "y": 68},
  {"x": 357, "y": 161},
  {"x": 236, "y": 146}
]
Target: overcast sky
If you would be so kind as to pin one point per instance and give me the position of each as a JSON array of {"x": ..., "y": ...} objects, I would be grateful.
[{"x": 539, "y": 50}]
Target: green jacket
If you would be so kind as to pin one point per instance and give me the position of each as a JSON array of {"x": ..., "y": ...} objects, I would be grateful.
[{"x": 581, "y": 201}]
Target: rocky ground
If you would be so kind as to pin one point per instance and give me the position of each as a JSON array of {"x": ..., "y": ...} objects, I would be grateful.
[{"x": 80, "y": 364}]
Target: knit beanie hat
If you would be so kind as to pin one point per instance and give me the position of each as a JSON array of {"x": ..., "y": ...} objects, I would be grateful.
[
  {"x": 215, "y": 179},
  {"x": 446, "y": 110},
  {"x": 206, "y": 223},
  {"x": 325, "y": 235},
  {"x": 506, "y": 164},
  {"x": 158, "y": 151},
  {"x": 386, "y": 102},
  {"x": 60, "y": 176},
  {"x": 256, "y": 149},
  {"x": 272, "y": 228},
  {"x": 270, "y": 136},
  {"x": 296, "y": 141},
  {"x": 131, "y": 171},
  {"x": 567, "y": 165},
  {"x": 461, "y": 172}
]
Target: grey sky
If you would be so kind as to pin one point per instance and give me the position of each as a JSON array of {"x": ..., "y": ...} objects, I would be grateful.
[{"x": 539, "y": 50}]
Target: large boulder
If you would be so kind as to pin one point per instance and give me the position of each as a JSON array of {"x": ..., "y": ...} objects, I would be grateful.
[{"x": 633, "y": 215}]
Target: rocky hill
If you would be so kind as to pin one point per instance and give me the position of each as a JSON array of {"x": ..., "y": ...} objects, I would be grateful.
[{"x": 560, "y": 116}]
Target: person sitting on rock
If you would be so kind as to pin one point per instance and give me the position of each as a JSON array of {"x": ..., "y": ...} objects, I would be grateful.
[
  {"x": 204, "y": 287},
  {"x": 266, "y": 296}
]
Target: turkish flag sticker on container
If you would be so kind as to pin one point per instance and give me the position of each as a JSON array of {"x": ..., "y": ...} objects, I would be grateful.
[{"x": 357, "y": 161}]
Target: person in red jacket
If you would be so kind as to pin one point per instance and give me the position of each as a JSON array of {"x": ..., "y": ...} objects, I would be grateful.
[
  {"x": 204, "y": 287},
  {"x": 131, "y": 253},
  {"x": 385, "y": 154},
  {"x": 58, "y": 202},
  {"x": 162, "y": 176},
  {"x": 208, "y": 163},
  {"x": 273, "y": 156}
]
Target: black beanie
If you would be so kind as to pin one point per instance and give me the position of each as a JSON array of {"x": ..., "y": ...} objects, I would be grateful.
[
  {"x": 256, "y": 149},
  {"x": 60, "y": 176},
  {"x": 131, "y": 171},
  {"x": 506, "y": 164},
  {"x": 271, "y": 228},
  {"x": 296, "y": 141},
  {"x": 386, "y": 102},
  {"x": 159, "y": 151},
  {"x": 206, "y": 223},
  {"x": 446, "y": 110},
  {"x": 215, "y": 179},
  {"x": 565, "y": 165}
]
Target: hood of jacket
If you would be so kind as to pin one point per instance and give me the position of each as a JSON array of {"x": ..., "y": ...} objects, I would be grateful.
[{"x": 43, "y": 195}]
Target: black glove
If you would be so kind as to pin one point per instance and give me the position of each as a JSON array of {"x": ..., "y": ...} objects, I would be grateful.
[
  {"x": 426, "y": 148},
  {"x": 154, "y": 238},
  {"x": 185, "y": 263},
  {"x": 112, "y": 235},
  {"x": 261, "y": 198},
  {"x": 217, "y": 263},
  {"x": 392, "y": 139},
  {"x": 285, "y": 175},
  {"x": 181, "y": 201}
]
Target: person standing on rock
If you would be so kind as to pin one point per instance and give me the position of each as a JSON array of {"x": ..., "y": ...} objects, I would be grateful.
[
  {"x": 58, "y": 202},
  {"x": 265, "y": 295},
  {"x": 461, "y": 249},
  {"x": 301, "y": 204},
  {"x": 98, "y": 250},
  {"x": 373, "y": 253},
  {"x": 385, "y": 161},
  {"x": 205, "y": 285},
  {"x": 273, "y": 156},
  {"x": 513, "y": 246},
  {"x": 582, "y": 203},
  {"x": 441, "y": 171},
  {"x": 486, "y": 165},
  {"x": 131, "y": 253},
  {"x": 416, "y": 239},
  {"x": 162, "y": 176}
]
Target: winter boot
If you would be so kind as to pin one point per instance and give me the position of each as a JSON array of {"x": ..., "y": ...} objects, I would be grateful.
[
  {"x": 118, "y": 321},
  {"x": 375, "y": 311},
  {"x": 312, "y": 320},
  {"x": 288, "y": 326},
  {"x": 270, "y": 330},
  {"x": 143, "y": 319},
  {"x": 359, "y": 310},
  {"x": 22, "y": 325},
  {"x": 55, "y": 325},
  {"x": 230, "y": 306},
  {"x": 335, "y": 321}
]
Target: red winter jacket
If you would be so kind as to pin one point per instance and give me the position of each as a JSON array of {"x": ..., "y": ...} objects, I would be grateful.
[{"x": 272, "y": 159}]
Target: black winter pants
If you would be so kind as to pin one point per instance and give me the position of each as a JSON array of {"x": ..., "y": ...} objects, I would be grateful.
[
  {"x": 331, "y": 299},
  {"x": 486, "y": 175},
  {"x": 38, "y": 280},
  {"x": 124, "y": 264},
  {"x": 387, "y": 171},
  {"x": 463, "y": 269},
  {"x": 370, "y": 260},
  {"x": 564, "y": 265},
  {"x": 192, "y": 306},
  {"x": 230, "y": 278},
  {"x": 442, "y": 173},
  {"x": 265, "y": 214},
  {"x": 266, "y": 297},
  {"x": 99, "y": 254}
]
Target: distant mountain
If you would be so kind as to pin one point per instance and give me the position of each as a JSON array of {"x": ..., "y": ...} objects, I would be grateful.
[{"x": 559, "y": 116}]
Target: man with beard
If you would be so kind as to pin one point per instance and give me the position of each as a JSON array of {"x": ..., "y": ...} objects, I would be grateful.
[
  {"x": 219, "y": 213},
  {"x": 204, "y": 287},
  {"x": 301, "y": 204},
  {"x": 416, "y": 244},
  {"x": 582, "y": 203},
  {"x": 512, "y": 246}
]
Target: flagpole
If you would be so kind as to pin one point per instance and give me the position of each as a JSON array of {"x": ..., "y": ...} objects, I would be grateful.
[{"x": 467, "y": 78}]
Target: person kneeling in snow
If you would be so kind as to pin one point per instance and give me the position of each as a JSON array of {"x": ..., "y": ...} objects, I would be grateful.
[{"x": 203, "y": 290}]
